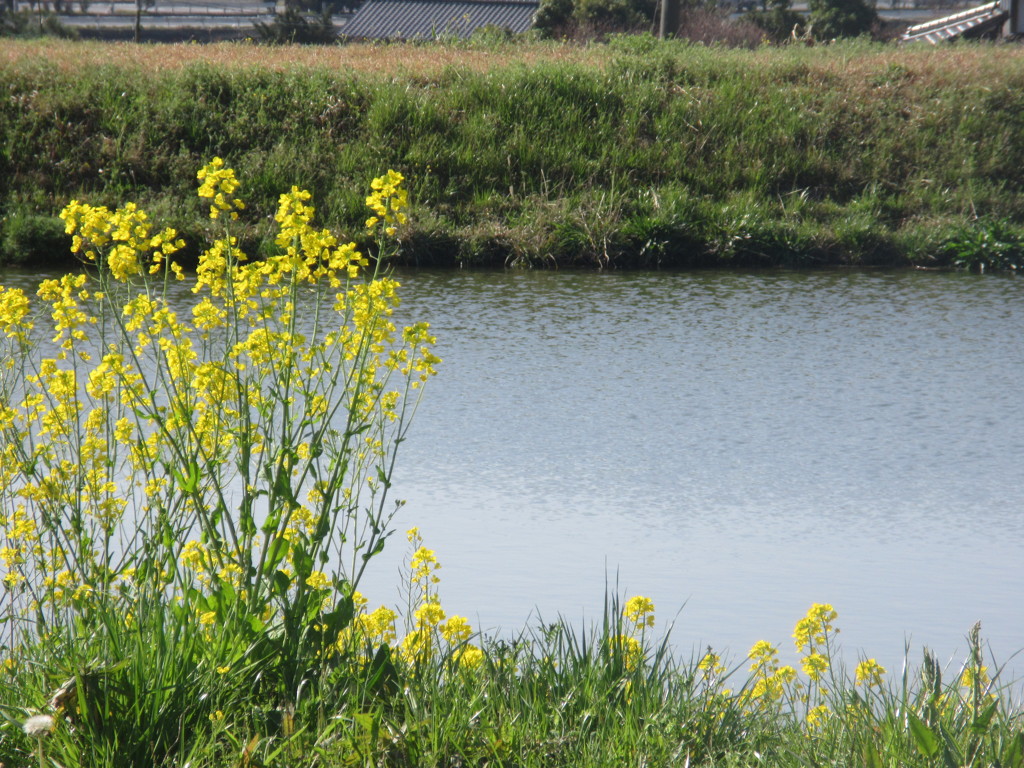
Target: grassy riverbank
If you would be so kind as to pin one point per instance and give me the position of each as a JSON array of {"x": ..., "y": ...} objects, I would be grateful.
[{"x": 633, "y": 154}]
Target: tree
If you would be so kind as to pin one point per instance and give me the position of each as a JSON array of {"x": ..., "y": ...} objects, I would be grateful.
[
  {"x": 778, "y": 20},
  {"x": 558, "y": 17},
  {"x": 841, "y": 18}
]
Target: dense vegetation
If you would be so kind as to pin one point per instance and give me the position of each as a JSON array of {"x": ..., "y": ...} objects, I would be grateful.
[
  {"x": 191, "y": 493},
  {"x": 638, "y": 153}
]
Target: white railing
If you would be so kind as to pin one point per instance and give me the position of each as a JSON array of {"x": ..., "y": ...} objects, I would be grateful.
[{"x": 159, "y": 7}]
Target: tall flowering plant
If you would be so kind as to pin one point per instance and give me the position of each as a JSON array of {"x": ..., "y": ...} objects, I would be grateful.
[{"x": 212, "y": 473}]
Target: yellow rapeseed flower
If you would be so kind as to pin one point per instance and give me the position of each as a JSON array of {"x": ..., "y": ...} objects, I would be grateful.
[
  {"x": 816, "y": 716},
  {"x": 456, "y": 630},
  {"x": 812, "y": 630},
  {"x": 219, "y": 185},
  {"x": 815, "y": 665},
  {"x": 970, "y": 675},
  {"x": 631, "y": 650},
  {"x": 869, "y": 673},
  {"x": 469, "y": 657},
  {"x": 318, "y": 580},
  {"x": 422, "y": 567},
  {"x": 430, "y": 614},
  {"x": 763, "y": 654},
  {"x": 640, "y": 611}
]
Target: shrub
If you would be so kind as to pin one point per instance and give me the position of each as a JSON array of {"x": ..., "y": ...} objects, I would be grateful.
[
  {"x": 28, "y": 24},
  {"x": 294, "y": 27},
  {"x": 831, "y": 19},
  {"x": 710, "y": 26},
  {"x": 589, "y": 17},
  {"x": 32, "y": 239},
  {"x": 985, "y": 244},
  {"x": 780, "y": 22}
]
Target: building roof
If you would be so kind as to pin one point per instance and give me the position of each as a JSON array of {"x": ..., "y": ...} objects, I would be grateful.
[
  {"x": 430, "y": 19},
  {"x": 965, "y": 23}
]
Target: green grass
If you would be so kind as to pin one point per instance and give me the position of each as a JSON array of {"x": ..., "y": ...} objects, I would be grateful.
[
  {"x": 639, "y": 153},
  {"x": 552, "y": 696}
]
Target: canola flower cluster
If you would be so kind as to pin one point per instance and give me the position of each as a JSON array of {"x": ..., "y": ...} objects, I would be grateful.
[
  {"x": 387, "y": 201},
  {"x": 216, "y": 455},
  {"x": 771, "y": 686},
  {"x": 432, "y": 631},
  {"x": 431, "y": 635}
]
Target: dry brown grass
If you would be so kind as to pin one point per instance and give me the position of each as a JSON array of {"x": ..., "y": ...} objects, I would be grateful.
[
  {"x": 387, "y": 59},
  {"x": 937, "y": 66}
]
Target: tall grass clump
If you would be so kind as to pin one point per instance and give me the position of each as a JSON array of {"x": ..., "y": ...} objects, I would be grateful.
[{"x": 190, "y": 495}]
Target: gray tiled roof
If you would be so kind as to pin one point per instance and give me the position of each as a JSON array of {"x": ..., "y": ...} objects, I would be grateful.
[
  {"x": 958, "y": 24},
  {"x": 428, "y": 19}
]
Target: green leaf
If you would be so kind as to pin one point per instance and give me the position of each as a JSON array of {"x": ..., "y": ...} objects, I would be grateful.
[
  {"x": 282, "y": 583},
  {"x": 377, "y": 549},
  {"x": 188, "y": 484},
  {"x": 1013, "y": 755},
  {"x": 927, "y": 742},
  {"x": 365, "y": 721},
  {"x": 871, "y": 757},
  {"x": 302, "y": 560},
  {"x": 227, "y": 593},
  {"x": 981, "y": 723},
  {"x": 216, "y": 516},
  {"x": 283, "y": 487},
  {"x": 275, "y": 553},
  {"x": 339, "y": 618},
  {"x": 383, "y": 679},
  {"x": 245, "y": 518},
  {"x": 272, "y": 522}
]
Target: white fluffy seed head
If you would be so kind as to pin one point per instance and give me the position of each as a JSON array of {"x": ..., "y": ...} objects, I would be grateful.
[{"x": 38, "y": 726}]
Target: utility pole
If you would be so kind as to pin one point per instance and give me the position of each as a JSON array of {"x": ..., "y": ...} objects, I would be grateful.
[{"x": 669, "y": 19}]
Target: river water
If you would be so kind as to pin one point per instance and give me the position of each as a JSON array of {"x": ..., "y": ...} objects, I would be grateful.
[{"x": 734, "y": 446}]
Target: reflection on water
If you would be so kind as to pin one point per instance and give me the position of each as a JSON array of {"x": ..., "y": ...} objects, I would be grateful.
[
  {"x": 737, "y": 446},
  {"x": 743, "y": 444}
]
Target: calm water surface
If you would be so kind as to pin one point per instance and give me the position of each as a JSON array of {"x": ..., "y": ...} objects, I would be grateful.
[{"x": 735, "y": 446}]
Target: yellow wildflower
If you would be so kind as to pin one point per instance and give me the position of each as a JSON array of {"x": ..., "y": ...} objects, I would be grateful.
[
  {"x": 469, "y": 657},
  {"x": 815, "y": 665},
  {"x": 640, "y": 611},
  {"x": 430, "y": 614},
  {"x": 219, "y": 186},
  {"x": 318, "y": 580},
  {"x": 970, "y": 675},
  {"x": 630, "y": 650},
  {"x": 456, "y": 630},
  {"x": 812, "y": 630},
  {"x": 869, "y": 673},
  {"x": 816, "y": 716}
]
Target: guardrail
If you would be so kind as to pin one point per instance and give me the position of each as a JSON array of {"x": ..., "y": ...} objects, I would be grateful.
[{"x": 157, "y": 7}]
